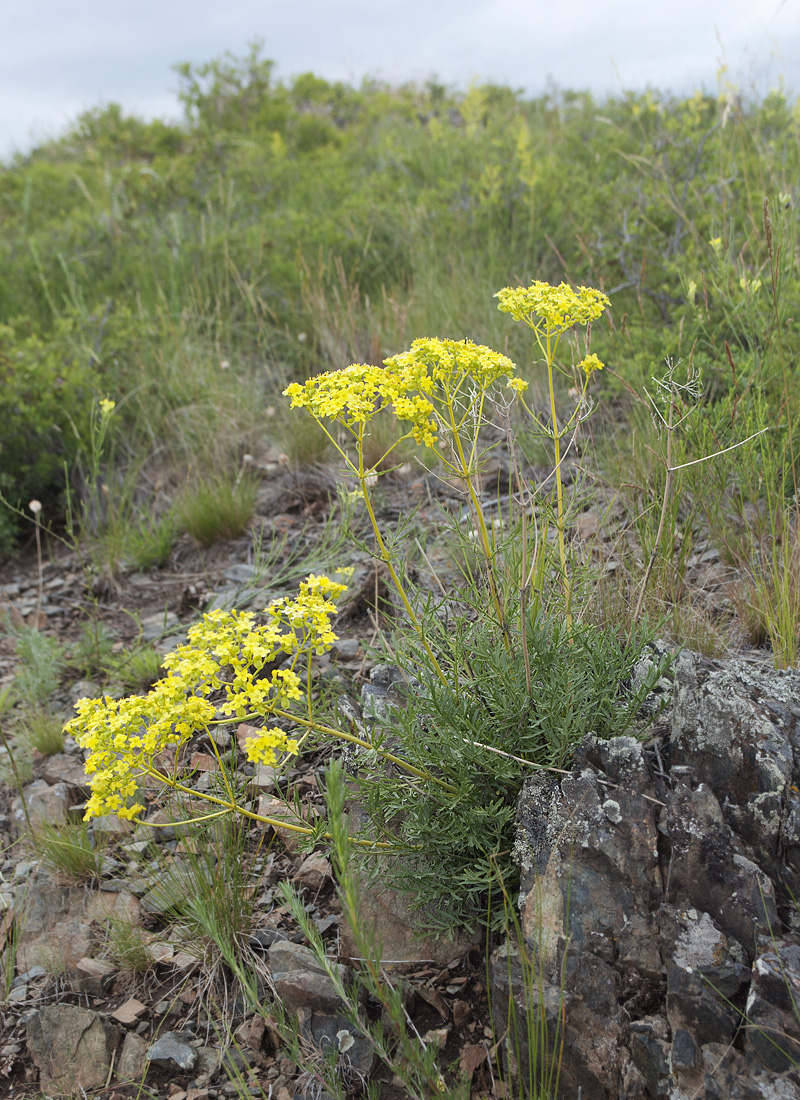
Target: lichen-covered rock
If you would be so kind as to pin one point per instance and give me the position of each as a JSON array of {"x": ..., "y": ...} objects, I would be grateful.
[
  {"x": 738, "y": 729},
  {"x": 655, "y": 901}
]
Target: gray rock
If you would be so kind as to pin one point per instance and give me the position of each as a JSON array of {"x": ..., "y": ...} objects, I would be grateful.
[
  {"x": 60, "y": 922},
  {"x": 84, "y": 689},
  {"x": 224, "y": 599},
  {"x": 652, "y": 891},
  {"x": 71, "y": 1047},
  {"x": 95, "y": 976},
  {"x": 240, "y": 573},
  {"x": 46, "y": 805},
  {"x": 772, "y": 1038},
  {"x": 156, "y": 626},
  {"x": 299, "y": 979},
  {"x": 332, "y": 1032},
  {"x": 346, "y": 649},
  {"x": 132, "y": 1061},
  {"x": 172, "y": 1049},
  {"x": 734, "y": 726},
  {"x": 65, "y": 768}
]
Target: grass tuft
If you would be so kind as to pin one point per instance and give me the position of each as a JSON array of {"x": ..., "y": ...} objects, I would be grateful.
[
  {"x": 70, "y": 851},
  {"x": 218, "y": 507}
]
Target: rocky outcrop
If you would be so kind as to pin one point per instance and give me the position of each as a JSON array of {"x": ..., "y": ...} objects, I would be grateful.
[{"x": 657, "y": 946}]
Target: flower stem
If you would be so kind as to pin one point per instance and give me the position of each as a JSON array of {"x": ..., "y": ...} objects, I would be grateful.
[
  {"x": 556, "y": 437},
  {"x": 386, "y": 558}
]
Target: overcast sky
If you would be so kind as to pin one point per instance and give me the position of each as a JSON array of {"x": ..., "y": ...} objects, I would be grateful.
[{"x": 59, "y": 58}]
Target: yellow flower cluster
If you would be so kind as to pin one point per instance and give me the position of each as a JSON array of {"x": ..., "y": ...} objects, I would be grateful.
[
  {"x": 226, "y": 653},
  {"x": 264, "y": 748},
  {"x": 352, "y": 395},
  {"x": 405, "y": 383},
  {"x": 559, "y": 307},
  {"x": 447, "y": 362},
  {"x": 517, "y": 384},
  {"x": 589, "y": 364}
]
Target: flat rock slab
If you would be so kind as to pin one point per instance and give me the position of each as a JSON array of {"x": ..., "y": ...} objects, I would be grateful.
[{"x": 71, "y": 1047}]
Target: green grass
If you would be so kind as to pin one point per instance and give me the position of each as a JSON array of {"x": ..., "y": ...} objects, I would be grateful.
[
  {"x": 288, "y": 227},
  {"x": 41, "y": 662},
  {"x": 217, "y": 507},
  {"x": 41, "y": 730},
  {"x": 69, "y": 851}
]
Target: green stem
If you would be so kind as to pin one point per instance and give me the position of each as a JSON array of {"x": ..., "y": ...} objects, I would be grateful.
[
  {"x": 466, "y": 475},
  {"x": 386, "y": 558},
  {"x": 233, "y": 807},
  {"x": 556, "y": 437},
  {"x": 329, "y": 731}
]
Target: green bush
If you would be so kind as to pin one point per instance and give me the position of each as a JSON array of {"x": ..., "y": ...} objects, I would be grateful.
[{"x": 46, "y": 383}]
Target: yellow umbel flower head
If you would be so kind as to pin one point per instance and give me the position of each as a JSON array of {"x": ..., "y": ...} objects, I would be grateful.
[
  {"x": 552, "y": 309},
  {"x": 225, "y": 658},
  {"x": 448, "y": 362}
]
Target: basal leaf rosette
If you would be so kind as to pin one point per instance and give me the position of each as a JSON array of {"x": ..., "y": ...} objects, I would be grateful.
[{"x": 226, "y": 657}]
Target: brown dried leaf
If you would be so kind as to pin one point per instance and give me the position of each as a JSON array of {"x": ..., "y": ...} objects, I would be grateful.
[{"x": 472, "y": 1056}]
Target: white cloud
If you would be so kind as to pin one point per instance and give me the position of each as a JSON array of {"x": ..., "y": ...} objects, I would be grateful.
[{"x": 58, "y": 59}]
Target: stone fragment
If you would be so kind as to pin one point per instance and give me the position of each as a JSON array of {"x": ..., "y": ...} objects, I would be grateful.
[
  {"x": 313, "y": 872},
  {"x": 71, "y": 1047},
  {"x": 346, "y": 649},
  {"x": 735, "y": 727},
  {"x": 203, "y": 762},
  {"x": 172, "y": 1049},
  {"x": 63, "y": 768},
  {"x": 650, "y": 1053},
  {"x": 46, "y": 805},
  {"x": 160, "y": 952},
  {"x": 129, "y": 1011},
  {"x": 132, "y": 1062},
  {"x": 84, "y": 689},
  {"x": 184, "y": 961},
  {"x": 155, "y": 626},
  {"x": 772, "y": 1038},
  {"x": 299, "y": 980},
  {"x": 95, "y": 976},
  {"x": 707, "y": 870},
  {"x": 264, "y": 777},
  {"x": 275, "y": 808},
  {"x": 61, "y": 921},
  {"x": 111, "y": 825}
]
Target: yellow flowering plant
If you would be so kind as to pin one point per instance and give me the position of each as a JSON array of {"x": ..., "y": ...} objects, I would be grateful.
[
  {"x": 552, "y": 311},
  {"x": 226, "y": 673},
  {"x": 440, "y": 388},
  {"x": 241, "y": 667}
]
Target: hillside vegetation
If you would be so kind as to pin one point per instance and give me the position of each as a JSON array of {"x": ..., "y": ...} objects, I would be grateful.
[{"x": 188, "y": 272}]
